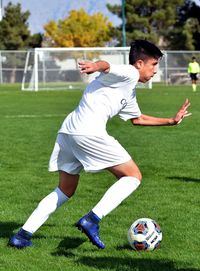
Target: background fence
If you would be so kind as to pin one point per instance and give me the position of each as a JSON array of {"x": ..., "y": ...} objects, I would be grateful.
[{"x": 57, "y": 67}]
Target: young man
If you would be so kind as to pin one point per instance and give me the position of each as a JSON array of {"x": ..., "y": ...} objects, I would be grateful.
[
  {"x": 193, "y": 70},
  {"x": 83, "y": 142}
]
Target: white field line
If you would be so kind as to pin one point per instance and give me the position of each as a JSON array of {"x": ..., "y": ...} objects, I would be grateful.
[{"x": 34, "y": 116}]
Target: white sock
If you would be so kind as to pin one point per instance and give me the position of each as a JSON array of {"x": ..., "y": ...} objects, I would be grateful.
[
  {"x": 46, "y": 206},
  {"x": 115, "y": 195}
]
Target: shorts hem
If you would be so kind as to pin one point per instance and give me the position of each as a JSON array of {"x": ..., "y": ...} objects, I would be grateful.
[{"x": 106, "y": 166}]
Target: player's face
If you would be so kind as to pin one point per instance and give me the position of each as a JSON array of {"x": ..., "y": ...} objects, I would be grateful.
[{"x": 147, "y": 69}]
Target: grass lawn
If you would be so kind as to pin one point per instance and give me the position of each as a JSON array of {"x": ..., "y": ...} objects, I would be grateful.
[{"x": 167, "y": 156}]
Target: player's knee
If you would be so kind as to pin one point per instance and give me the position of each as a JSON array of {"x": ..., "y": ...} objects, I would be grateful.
[
  {"x": 134, "y": 173},
  {"x": 137, "y": 174}
]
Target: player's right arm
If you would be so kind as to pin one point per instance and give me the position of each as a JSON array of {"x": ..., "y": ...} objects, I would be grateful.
[
  {"x": 146, "y": 120},
  {"x": 90, "y": 67},
  {"x": 113, "y": 75}
]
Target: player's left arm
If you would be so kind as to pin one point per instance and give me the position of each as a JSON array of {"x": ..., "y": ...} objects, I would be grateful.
[
  {"x": 155, "y": 121},
  {"x": 88, "y": 67}
]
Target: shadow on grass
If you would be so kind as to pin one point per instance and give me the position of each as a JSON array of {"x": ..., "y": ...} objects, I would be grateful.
[
  {"x": 123, "y": 263},
  {"x": 184, "y": 179},
  {"x": 66, "y": 246},
  {"x": 7, "y": 228},
  {"x": 130, "y": 264}
]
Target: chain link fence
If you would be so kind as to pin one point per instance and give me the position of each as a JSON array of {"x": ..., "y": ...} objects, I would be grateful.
[
  {"x": 61, "y": 65},
  {"x": 12, "y": 65}
]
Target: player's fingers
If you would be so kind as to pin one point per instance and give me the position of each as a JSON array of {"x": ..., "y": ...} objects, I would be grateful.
[
  {"x": 179, "y": 121},
  {"x": 81, "y": 62},
  {"x": 86, "y": 68},
  {"x": 188, "y": 114},
  {"x": 184, "y": 107},
  {"x": 186, "y": 104}
]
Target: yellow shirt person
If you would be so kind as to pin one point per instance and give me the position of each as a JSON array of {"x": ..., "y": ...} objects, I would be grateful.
[{"x": 193, "y": 70}]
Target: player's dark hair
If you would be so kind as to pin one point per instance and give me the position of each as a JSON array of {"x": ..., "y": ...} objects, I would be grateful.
[{"x": 143, "y": 49}]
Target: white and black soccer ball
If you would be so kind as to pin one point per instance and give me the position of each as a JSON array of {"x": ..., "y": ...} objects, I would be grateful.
[{"x": 144, "y": 234}]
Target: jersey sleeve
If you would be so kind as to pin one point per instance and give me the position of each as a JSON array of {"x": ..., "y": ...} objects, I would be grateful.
[
  {"x": 131, "y": 109},
  {"x": 119, "y": 76}
]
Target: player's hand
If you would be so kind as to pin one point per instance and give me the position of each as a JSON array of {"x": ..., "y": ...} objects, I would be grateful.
[
  {"x": 182, "y": 113},
  {"x": 86, "y": 66}
]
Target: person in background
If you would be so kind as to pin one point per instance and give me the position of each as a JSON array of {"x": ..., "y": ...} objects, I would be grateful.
[{"x": 193, "y": 70}]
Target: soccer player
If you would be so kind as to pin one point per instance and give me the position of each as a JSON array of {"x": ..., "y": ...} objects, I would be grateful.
[
  {"x": 193, "y": 70},
  {"x": 83, "y": 142}
]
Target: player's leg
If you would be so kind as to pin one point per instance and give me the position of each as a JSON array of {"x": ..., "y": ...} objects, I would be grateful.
[
  {"x": 105, "y": 152},
  {"x": 129, "y": 178},
  {"x": 66, "y": 188},
  {"x": 194, "y": 87},
  {"x": 62, "y": 160},
  {"x": 194, "y": 82}
]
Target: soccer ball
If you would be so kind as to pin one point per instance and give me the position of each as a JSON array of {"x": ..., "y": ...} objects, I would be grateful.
[{"x": 144, "y": 234}]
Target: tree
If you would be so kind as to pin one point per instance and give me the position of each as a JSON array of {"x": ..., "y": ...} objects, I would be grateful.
[
  {"x": 14, "y": 28},
  {"x": 78, "y": 30},
  {"x": 35, "y": 40},
  {"x": 15, "y": 35},
  {"x": 14, "y": 32},
  {"x": 186, "y": 32},
  {"x": 146, "y": 19}
]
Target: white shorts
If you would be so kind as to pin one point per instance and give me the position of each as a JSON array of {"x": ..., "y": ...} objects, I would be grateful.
[{"x": 72, "y": 153}]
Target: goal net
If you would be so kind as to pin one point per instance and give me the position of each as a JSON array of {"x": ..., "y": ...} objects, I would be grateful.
[{"x": 57, "y": 68}]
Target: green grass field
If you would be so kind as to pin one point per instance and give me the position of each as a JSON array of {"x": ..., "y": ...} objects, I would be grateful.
[{"x": 167, "y": 156}]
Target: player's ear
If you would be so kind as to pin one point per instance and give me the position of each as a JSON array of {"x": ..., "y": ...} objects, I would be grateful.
[{"x": 139, "y": 63}]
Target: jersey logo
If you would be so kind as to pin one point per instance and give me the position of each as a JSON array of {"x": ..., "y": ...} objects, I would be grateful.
[{"x": 123, "y": 103}]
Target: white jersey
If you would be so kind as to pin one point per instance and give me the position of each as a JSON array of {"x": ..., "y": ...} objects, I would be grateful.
[{"x": 108, "y": 95}]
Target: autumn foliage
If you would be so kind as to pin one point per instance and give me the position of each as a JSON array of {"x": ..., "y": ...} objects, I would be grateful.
[{"x": 79, "y": 29}]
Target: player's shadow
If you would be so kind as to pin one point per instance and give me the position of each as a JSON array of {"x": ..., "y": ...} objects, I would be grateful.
[
  {"x": 66, "y": 246},
  {"x": 129, "y": 263},
  {"x": 184, "y": 179},
  {"x": 7, "y": 228}
]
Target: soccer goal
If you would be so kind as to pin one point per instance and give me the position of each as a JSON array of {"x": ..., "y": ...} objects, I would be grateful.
[{"x": 57, "y": 68}]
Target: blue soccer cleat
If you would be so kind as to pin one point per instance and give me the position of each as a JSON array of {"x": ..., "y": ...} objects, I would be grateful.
[
  {"x": 89, "y": 224},
  {"x": 21, "y": 239}
]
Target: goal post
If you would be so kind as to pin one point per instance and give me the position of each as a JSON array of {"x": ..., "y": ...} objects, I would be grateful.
[
  {"x": 28, "y": 79},
  {"x": 57, "y": 68}
]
